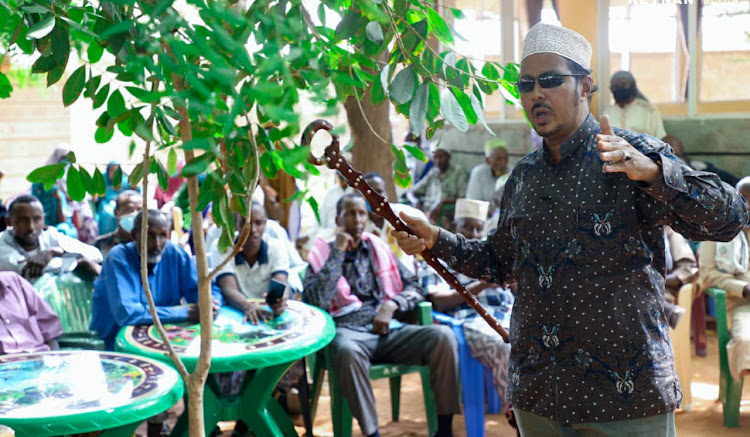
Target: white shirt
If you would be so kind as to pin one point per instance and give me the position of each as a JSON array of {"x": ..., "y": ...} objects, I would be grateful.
[
  {"x": 638, "y": 116},
  {"x": 482, "y": 183},
  {"x": 253, "y": 280},
  {"x": 13, "y": 257}
]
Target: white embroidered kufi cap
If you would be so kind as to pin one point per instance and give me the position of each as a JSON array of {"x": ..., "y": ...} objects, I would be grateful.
[
  {"x": 469, "y": 208},
  {"x": 546, "y": 38}
]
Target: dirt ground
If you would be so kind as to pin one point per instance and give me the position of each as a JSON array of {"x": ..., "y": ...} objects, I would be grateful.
[{"x": 705, "y": 418}]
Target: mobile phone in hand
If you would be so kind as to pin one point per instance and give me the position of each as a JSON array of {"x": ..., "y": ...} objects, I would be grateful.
[{"x": 275, "y": 292}]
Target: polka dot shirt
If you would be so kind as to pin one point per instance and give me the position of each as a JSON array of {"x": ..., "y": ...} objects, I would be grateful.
[{"x": 589, "y": 339}]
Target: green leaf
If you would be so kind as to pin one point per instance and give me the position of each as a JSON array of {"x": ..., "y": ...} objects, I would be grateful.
[
  {"x": 42, "y": 28},
  {"x": 45, "y": 173},
  {"x": 43, "y": 64},
  {"x": 91, "y": 86},
  {"x": 458, "y": 13},
  {"x": 5, "y": 87},
  {"x": 377, "y": 95},
  {"x": 477, "y": 106},
  {"x": 136, "y": 175},
  {"x": 399, "y": 163},
  {"x": 322, "y": 14},
  {"x": 348, "y": 26},
  {"x": 71, "y": 157},
  {"x": 60, "y": 41},
  {"x": 94, "y": 52},
  {"x": 465, "y": 103},
  {"x": 418, "y": 108},
  {"x": 384, "y": 78},
  {"x": 403, "y": 180},
  {"x": 55, "y": 75},
  {"x": 433, "y": 108},
  {"x": 402, "y": 87},
  {"x": 116, "y": 29},
  {"x": 117, "y": 177},
  {"x": 452, "y": 110},
  {"x": 314, "y": 205},
  {"x": 76, "y": 190},
  {"x": 197, "y": 165},
  {"x": 172, "y": 162},
  {"x": 416, "y": 152},
  {"x": 87, "y": 180},
  {"x": 102, "y": 135},
  {"x": 439, "y": 27},
  {"x": 144, "y": 96},
  {"x": 100, "y": 186},
  {"x": 374, "y": 32},
  {"x": 74, "y": 86},
  {"x": 115, "y": 104},
  {"x": 101, "y": 96},
  {"x": 162, "y": 175}
]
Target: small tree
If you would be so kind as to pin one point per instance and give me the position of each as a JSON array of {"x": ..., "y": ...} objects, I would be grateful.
[{"x": 220, "y": 83}]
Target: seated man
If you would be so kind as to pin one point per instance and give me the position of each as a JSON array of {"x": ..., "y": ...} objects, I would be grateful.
[
  {"x": 30, "y": 248},
  {"x": 484, "y": 343},
  {"x": 725, "y": 266},
  {"x": 682, "y": 268},
  {"x": 29, "y": 324},
  {"x": 441, "y": 187},
  {"x": 492, "y": 172},
  {"x": 249, "y": 274},
  {"x": 127, "y": 205},
  {"x": 380, "y": 227},
  {"x": 360, "y": 283},
  {"x": 119, "y": 299}
]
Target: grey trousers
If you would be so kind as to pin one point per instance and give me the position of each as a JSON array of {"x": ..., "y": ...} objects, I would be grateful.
[
  {"x": 652, "y": 426},
  {"x": 353, "y": 352}
]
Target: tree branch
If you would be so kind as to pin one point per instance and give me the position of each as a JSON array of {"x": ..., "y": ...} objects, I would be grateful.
[{"x": 144, "y": 253}]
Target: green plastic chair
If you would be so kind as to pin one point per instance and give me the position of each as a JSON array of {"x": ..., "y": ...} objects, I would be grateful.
[
  {"x": 69, "y": 296},
  {"x": 340, "y": 414},
  {"x": 730, "y": 389}
]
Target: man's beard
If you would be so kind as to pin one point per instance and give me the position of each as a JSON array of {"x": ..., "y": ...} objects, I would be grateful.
[{"x": 153, "y": 259}]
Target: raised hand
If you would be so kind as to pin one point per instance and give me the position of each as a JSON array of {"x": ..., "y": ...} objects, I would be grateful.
[{"x": 620, "y": 157}]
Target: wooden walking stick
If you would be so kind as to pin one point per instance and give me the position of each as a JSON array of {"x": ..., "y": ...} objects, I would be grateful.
[{"x": 334, "y": 160}]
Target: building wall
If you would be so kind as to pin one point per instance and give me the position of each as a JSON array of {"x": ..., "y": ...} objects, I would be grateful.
[{"x": 728, "y": 137}]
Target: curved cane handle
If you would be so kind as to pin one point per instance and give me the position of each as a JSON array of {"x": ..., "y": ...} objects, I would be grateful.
[{"x": 332, "y": 149}]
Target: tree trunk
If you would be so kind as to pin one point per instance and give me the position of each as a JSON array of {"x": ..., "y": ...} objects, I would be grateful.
[{"x": 370, "y": 153}]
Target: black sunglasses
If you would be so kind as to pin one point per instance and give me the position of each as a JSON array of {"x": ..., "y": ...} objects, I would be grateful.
[{"x": 546, "y": 80}]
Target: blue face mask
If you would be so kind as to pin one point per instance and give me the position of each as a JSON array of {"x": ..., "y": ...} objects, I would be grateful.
[{"x": 127, "y": 221}]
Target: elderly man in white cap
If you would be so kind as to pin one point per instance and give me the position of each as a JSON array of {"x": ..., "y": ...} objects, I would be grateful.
[
  {"x": 493, "y": 172},
  {"x": 441, "y": 187},
  {"x": 484, "y": 343},
  {"x": 582, "y": 231}
]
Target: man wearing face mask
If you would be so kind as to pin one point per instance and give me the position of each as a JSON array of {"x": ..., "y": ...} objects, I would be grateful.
[
  {"x": 119, "y": 298},
  {"x": 127, "y": 205},
  {"x": 632, "y": 110},
  {"x": 31, "y": 248}
]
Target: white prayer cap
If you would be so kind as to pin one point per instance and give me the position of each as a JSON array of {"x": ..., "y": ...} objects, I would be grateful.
[
  {"x": 546, "y": 38},
  {"x": 469, "y": 208}
]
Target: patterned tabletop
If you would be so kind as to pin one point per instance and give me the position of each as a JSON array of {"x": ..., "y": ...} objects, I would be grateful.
[
  {"x": 62, "y": 392},
  {"x": 238, "y": 345}
]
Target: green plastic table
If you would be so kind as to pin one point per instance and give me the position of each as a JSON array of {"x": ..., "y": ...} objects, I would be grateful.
[
  {"x": 66, "y": 392},
  {"x": 269, "y": 349}
]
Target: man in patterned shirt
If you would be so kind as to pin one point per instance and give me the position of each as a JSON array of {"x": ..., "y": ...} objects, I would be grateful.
[
  {"x": 360, "y": 283},
  {"x": 582, "y": 231}
]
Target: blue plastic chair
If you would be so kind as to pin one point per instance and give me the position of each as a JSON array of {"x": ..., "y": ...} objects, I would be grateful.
[{"x": 476, "y": 381}]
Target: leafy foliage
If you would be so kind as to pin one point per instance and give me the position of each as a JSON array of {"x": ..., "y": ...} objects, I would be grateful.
[{"x": 240, "y": 72}]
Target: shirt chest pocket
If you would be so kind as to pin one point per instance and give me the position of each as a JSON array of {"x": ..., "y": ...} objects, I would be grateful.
[{"x": 600, "y": 231}]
